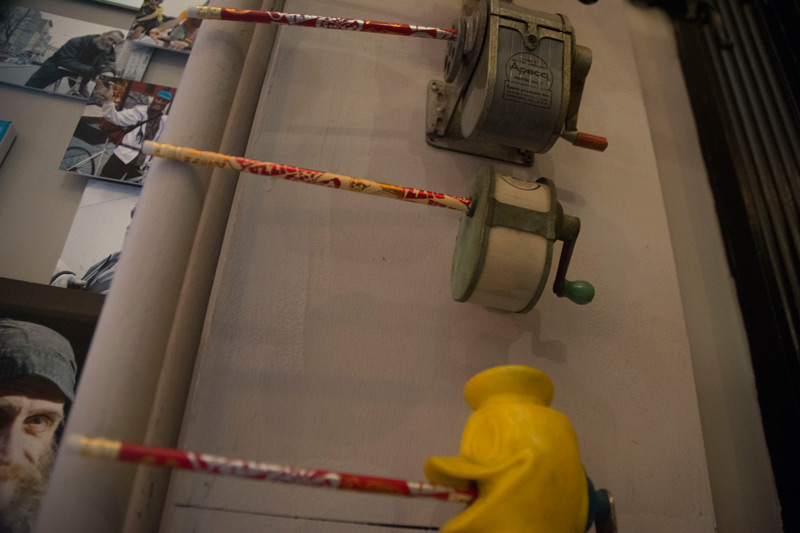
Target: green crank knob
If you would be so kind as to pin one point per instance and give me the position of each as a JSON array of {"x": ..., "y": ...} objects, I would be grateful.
[{"x": 580, "y": 292}]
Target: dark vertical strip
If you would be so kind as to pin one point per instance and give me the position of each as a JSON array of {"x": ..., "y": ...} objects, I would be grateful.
[{"x": 747, "y": 131}]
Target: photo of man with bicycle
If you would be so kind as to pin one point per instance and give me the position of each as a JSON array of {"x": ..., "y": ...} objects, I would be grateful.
[
  {"x": 60, "y": 55},
  {"x": 141, "y": 123},
  {"x": 120, "y": 116},
  {"x": 83, "y": 58},
  {"x": 165, "y": 24}
]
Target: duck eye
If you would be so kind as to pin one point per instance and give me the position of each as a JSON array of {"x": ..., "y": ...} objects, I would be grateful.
[{"x": 482, "y": 441}]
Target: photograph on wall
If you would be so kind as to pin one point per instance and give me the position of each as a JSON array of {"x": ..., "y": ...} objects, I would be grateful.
[
  {"x": 119, "y": 117},
  {"x": 91, "y": 252},
  {"x": 43, "y": 347},
  {"x": 127, "y": 4},
  {"x": 164, "y": 24},
  {"x": 60, "y": 55}
]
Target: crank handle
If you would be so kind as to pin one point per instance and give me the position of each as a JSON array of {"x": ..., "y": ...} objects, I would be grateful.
[{"x": 586, "y": 140}]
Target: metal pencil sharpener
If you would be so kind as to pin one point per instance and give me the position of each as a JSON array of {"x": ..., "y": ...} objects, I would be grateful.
[
  {"x": 513, "y": 84},
  {"x": 504, "y": 247}
]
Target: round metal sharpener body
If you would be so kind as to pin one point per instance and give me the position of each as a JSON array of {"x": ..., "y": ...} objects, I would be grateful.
[
  {"x": 504, "y": 249},
  {"x": 520, "y": 92}
]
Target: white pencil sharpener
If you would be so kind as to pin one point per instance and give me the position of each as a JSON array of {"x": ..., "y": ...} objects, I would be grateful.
[{"x": 504, "y": 247}]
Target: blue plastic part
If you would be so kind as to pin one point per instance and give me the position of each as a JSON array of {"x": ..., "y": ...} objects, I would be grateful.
[{"x": 599, "y": 505}]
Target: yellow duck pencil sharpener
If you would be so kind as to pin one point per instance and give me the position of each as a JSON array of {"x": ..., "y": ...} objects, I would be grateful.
[{"x": 524, "y": 458}]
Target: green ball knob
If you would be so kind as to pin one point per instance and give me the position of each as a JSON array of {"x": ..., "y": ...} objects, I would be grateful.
[{"x": 580, "y": 292}]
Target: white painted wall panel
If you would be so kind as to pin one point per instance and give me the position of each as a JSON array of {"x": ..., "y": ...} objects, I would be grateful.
[
  {"x": 742, "y": 484},
  {"x": 216, "y": 520},
  {"x": 332, "y": 341}
]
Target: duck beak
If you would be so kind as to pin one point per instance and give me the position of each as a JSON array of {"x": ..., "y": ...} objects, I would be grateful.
[{"x": 460, "y": 473}]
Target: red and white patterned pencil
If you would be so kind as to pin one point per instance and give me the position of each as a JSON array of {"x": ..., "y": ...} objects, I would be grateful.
[
  {"x": 312, "y": 21},
  {"x": 211, "y": 464},
  {"x": 312, "y": 177}
]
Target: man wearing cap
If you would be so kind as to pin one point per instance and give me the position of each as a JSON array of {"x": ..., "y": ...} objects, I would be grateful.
[
  {"x": 37, "y": 378},
  {"x": 142, "y": 123}
]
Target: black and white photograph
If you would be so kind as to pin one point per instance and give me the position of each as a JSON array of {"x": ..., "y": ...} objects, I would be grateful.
[
  {"x": 60, "y": 55},
  {"x": 119, "y": 117},
  {"x": 90, "y": 254},
  {"x": 165, "y": 24}
]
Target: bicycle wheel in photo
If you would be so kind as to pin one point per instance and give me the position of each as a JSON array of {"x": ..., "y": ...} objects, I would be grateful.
[{"x": 79, "y": 160}]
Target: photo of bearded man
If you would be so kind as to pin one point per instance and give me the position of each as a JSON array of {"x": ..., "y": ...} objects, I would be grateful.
[{"x": 37, "y": 380}]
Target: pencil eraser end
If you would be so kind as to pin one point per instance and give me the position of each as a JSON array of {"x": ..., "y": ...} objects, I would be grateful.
[
  {"x": 147, "y": 148},
  {"x": 191, "y": 12}
]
